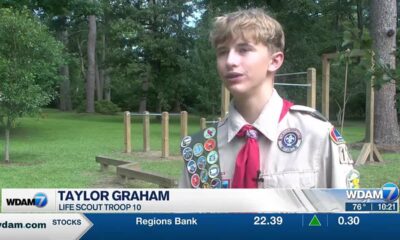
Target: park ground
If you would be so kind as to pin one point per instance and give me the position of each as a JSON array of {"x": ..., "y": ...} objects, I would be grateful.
[{"x": 58, "y": 149}]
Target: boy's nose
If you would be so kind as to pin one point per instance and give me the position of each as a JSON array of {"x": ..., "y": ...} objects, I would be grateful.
[{"x": 233, "y": 58}]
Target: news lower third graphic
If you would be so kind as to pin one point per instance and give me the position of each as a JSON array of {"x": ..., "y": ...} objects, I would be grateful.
[
  {"x": 218, "y": 214},
  {"x": 374, "y": 200}
]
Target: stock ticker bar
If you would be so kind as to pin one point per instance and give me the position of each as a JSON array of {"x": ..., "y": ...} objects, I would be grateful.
[{"x": 244, "y": 226}]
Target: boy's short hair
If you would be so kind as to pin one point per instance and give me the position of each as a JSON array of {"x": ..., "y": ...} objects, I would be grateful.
[{"x": 250, "y": 23}]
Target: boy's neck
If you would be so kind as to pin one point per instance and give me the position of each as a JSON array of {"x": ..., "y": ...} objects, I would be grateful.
[{"x": 251, "y": 106}]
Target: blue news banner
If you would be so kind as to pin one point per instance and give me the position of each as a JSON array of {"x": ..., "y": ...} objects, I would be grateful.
[{"x": 241, "y": 226}]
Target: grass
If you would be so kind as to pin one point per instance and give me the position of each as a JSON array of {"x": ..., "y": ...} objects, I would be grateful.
[{"x": 58, "y": 151}]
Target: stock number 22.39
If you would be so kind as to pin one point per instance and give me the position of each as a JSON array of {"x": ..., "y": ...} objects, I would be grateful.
[{"x": 268, "y": 220}]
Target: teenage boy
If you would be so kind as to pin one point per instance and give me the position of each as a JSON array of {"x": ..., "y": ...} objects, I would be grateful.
[{"x": 265, "y": 141}]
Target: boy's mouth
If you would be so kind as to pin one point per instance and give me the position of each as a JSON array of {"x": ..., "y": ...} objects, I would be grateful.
[{"x": 232, "y": 76}]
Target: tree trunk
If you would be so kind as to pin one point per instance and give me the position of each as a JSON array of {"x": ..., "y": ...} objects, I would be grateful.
[
  {"x": 99, "y": 85},
  {"x": 383, "y": 29},
  {"x": 107, "y": 87},
  {"x": 145, "y": 89},
  {"x": 65, "y": 92},
  {"x": 91, "y": 72},
  {"x": 7, "y": 142}
]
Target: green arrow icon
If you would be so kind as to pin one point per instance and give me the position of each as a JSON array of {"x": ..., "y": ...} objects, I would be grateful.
[{"x": 314, "y": 222}]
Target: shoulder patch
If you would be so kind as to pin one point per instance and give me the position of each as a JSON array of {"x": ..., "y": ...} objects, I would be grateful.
[{"x": 308, "y": 110}]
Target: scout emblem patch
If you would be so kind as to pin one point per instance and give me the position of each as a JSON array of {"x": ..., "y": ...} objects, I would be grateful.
[
  {"x": 289, "y": 140},
  {"x": 336, "y": 137},
  {"x": 200, "y": 153}
]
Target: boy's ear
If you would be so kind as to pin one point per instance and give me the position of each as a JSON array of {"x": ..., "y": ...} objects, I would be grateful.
[{"x": 276, "y": 61}]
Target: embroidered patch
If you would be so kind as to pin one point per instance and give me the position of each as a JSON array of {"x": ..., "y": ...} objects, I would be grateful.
[
  {"x": 344, "y": 156},
  {"x": 212, "y": 157},
  {"x": 210, "y": 144},
  {"x": 353, "y": 179},
  {"x": 210, "y": 132},
  {"x": 195, "y": 180},
  {"x": 198, "y": 149},
  {"x": 191, "y": 166},
  {"x": 216, "y": 183},
  {"x": 186, "y": 141},
  {"x": 187, "y": 153},
  {"x": 213, "y": 171},
  {"x": 203, "y": 176},
  {"x": 201, "y": 162},
  {"x": 226, "y": 183},
  {"x": 336, "y": 137},
  {"x": 289, "y": 140}
]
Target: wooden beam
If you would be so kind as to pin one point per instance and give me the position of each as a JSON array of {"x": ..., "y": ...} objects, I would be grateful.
[
  {"x": 312, "y": 91},
  {"x": 129, "y": 171},
  {"x": 325, "y": 85}
]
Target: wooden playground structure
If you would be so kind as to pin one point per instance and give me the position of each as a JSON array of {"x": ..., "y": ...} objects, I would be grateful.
[{"x": 131, "y": 170}]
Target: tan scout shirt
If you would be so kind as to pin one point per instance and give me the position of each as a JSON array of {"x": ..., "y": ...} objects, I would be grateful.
[{"x": 314, "y": 161}]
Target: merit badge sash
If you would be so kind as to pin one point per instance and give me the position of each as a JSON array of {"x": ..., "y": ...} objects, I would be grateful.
[{"x": 200, "y": 154}]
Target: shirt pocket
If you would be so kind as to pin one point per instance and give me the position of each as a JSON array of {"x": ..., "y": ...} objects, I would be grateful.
[{"x": 292, "y": 179}]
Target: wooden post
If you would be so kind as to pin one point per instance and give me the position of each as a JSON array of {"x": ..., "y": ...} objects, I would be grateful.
[
  {"x": 369, "y": 152},
  {"x": 146, "y": 132},
  {"x": 225, "y": 98},
  {"x": 127, "y": 135},
  {"x": 202, "y": 123},
  {"x": 325, "y": 85},
  {"x": 312, "y": 91},
  {"x": 165, "y": 135},
  {"x": 184, "y": 124}
]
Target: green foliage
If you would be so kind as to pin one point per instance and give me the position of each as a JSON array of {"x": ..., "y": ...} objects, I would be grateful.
[
  {"x": 29, "y": 61},
  {"x": 106, "y": 107}
]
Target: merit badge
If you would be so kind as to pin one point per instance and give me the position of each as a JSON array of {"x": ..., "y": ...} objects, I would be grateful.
[
  {"x": 336, "y": 137},
  {"x": 353, "y": 179},
  {"x": 213, "y": 171},
  {"x": 201, "y": 162},
  {"x": 216, "y": 183},
  {"x": 198, "y": 149},
  {"x": 203, "y": 176},
  {"x": 210, "y": 144},
  {"x": 206, "y": 185},
  {"x": 225, "y": 183},
  {"x": 187, "y": 153},
  {"x": 195, "y": 180},
  {"x": 212, "y": 157},
  {"x": 191, "y": 166},
  {"x": 210, "y": 132},
  {"x": 289, "y": 140},
  {"x": 186, "y": 141}
]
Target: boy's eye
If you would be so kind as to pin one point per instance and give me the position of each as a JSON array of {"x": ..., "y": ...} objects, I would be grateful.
[
  {"x": 244, "y": 49},
  {"x": 221, "y": 52}
]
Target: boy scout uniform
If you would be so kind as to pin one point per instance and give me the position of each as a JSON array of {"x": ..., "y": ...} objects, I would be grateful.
[{"x": 300, "y": 150}]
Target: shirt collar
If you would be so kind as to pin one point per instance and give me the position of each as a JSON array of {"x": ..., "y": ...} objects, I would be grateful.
[{"x": 266, "y": 123}]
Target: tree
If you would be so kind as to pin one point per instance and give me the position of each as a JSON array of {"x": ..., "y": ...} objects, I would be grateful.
[
  {"x": 91, "y": 71},
  {"x": 383, "y": 30},
  {"x": 29, "y": 62}
]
